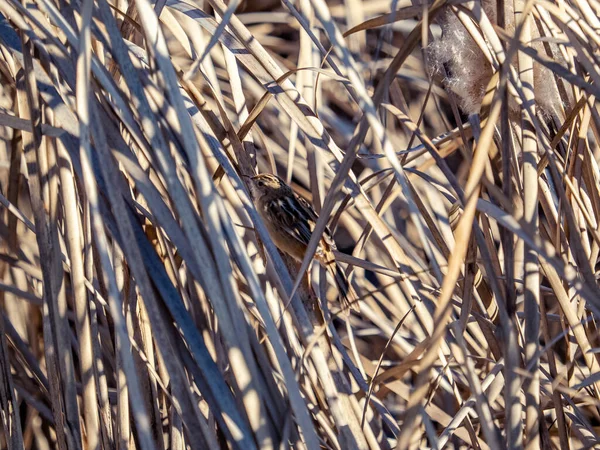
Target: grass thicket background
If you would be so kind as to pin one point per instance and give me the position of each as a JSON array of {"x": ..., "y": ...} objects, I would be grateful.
[{"x": 452, "y": 147}]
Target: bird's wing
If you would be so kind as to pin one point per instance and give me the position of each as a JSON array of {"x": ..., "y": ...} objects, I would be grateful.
[
  {"x": 298, "y": 220},
  {"x": 327, "y": 236},
  {"x": 293, "y": 218}
]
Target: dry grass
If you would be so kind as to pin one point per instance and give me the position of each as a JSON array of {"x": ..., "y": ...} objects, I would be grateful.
[{"x": 451, "y": 146}]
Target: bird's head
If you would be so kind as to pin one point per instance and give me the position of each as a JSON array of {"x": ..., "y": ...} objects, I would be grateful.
[{"x": 267, "y": 184}]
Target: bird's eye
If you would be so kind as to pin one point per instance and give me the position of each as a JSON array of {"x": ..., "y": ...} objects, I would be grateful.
[{"x": 260, "y": 183}]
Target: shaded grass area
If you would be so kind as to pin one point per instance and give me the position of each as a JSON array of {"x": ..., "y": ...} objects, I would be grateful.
[{"x": 450, "y": 146}]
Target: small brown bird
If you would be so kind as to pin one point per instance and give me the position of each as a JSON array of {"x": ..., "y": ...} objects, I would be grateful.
[{"x": 291, "y": 220}]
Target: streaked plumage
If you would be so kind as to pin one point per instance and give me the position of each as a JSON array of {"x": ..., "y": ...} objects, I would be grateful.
[{"x": 291, "y": 220}]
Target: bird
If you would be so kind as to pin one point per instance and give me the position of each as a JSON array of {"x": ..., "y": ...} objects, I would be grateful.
[{"x": 290, "y": 220}]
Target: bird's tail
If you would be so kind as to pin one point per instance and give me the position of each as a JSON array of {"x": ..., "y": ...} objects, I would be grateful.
[{"x": 348, "y": 297}]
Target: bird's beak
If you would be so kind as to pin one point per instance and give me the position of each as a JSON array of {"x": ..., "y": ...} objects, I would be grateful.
[{"x": 250, "y": 184}]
